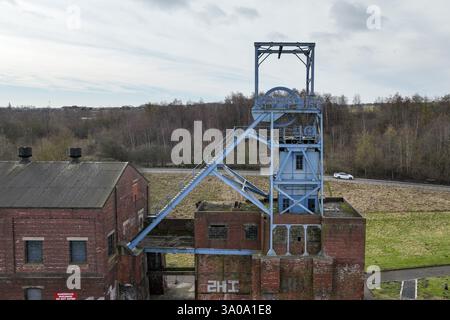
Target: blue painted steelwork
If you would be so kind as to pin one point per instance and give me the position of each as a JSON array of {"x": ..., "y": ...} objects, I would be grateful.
[
  {"x": 298, "y": 181},
  {"x": 243, "y": 192},
  {"x": 243, "y": 183},
  {"x": 202, "y": 251},
  {"x": 203, "y": 173}
]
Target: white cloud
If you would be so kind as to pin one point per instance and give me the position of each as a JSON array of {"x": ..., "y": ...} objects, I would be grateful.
[{"x": 141, "y": 50}]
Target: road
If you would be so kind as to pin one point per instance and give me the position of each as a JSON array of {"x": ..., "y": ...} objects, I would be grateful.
[
  {"x": 415, "y": 273},
  {"x": 409, "y": 277},
  {"x": 433, "y": 187},
  {"x": 409, "y": 290}
]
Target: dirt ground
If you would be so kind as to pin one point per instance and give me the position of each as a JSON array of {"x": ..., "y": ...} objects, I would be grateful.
[{"x": 363, "y": 197}]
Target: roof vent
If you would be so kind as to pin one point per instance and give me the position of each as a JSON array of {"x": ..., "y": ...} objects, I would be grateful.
[
  {"x": 25, "y": 153},
  {"x": 75, "y": 154}
]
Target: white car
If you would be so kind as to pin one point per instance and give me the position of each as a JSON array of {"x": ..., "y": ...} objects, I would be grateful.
[{"x": 343, "y": 175}]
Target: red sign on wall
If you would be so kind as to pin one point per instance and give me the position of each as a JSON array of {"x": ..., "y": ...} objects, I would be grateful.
[{"x": 65, "y": 296}]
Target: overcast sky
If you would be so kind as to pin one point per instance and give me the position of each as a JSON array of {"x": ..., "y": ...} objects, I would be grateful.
[{"x": 128, "y": 52}]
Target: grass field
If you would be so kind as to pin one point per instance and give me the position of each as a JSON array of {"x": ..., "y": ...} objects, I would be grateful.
[
  {"x": 389, "y": 291},
  {"x": 434, "y": 288},
  {"x": 406, "y": 227},
  {"x": 407, "y": 239}
]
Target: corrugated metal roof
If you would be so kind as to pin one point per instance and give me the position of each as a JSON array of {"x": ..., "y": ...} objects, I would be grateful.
[{"x": 60, "y": 184}]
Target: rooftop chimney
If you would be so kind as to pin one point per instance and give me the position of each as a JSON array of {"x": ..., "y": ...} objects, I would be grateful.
[
  {"x": 75, "y": 154},
  {"x": 25, "y": 153}
]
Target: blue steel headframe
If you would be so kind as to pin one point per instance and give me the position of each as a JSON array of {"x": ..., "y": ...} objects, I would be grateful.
[
  {"x": 304, "y": 51},
  {"x": 277, "y": 99},
  {"x": 209, "y": 169},
  {"x": 303, "y": 184},
  {"x": 288, "y": 99},
  {"x": 268, "y": 108}
]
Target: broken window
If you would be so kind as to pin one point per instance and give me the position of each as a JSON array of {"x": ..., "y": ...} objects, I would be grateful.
[
  {"x": 251, "y": 232},
  {"x": 218, "y": 232},
  {"x": 312, "y": 204},
  {"x": 299, "y": 162},
  {"x": 286, "y": 203}
]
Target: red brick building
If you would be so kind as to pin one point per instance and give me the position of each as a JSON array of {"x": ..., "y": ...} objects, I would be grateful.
[
  {"x": 323, "y": 258},
  {"x": 56, "y": 214}
]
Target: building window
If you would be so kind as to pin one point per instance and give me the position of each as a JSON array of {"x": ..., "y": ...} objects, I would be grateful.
[
  {"x": 33, "y": 251},
  {"x": 33, "y": 294},
  {"x": 251, "y": 232},
  {"x": 299, "y": 162},
  {"x": 78, "y": 252},
  {"x": 218, "y": 232},
  {"x": 141, "y": 219},
  {"x": 312, "y": 204},
  {"x": 135, "y": 192},
  {"x": 141, "y": 222},
  {"x": 286, "y": 203},
  {"x": 111, "y": 244}
]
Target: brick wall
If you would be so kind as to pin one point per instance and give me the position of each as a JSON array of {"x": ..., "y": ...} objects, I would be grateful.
[
  {"x": 13, "y": 288},
  {"x": 263, "y": 277},
  {"x": 102, "y": 273},
  {"x": 235, "y": 222},
  {"x": 344, "y": 240},
  {"x": 232, "y": 273},
  {"x": 323, "y": 278},
  {"x": 131, "y": 200},
  {"x": 334, "y": 268}
]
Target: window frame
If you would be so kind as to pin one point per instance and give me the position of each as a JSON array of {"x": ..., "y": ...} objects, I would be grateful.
[
  {"x": 314, "y": 204},
  {"x": 283, "y": 203},
  {"x": 135, "y": 192},
  {"x": 218, "y": 225},
  {"x": 297, "y": 156},
  {"x": 33, "y": 288},
  {"x": 71, "y": 252},
  {"x": 27, "y": 260},
  {"x": 111, "y": 247},
  {"x": 247, "y": 231}
]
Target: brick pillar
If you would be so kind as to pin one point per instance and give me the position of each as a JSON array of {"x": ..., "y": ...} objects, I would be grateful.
[
  {"x": 322, "y": 278},
  {"x": 270, "y": 275},
  {"x": 256, "y": 278}
]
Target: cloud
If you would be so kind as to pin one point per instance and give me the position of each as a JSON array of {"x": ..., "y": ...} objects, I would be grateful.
[
  {"x": 349, "y": 17},
  {"x": 11, "y": 2},
  {"x": 168, "y": 4},
  {"x": 212, "y": 14},
  {"x": 196, "y": 49},
  {"x": 246, "y": 12},
  {"x": 326, "y": 36},
  {"x": 277, "y": 36}
]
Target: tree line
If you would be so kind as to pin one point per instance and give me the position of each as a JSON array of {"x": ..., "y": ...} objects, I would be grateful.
[{"x": 405, "y": 138}]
